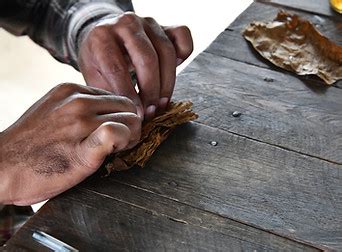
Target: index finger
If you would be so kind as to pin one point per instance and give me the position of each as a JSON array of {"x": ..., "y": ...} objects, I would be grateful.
[
  {"x": 145, "y": 61},
  {"x": 114, "y": 69}
]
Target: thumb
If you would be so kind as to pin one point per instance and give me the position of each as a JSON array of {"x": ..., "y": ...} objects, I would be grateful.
[{"x": 107, "y": 138}]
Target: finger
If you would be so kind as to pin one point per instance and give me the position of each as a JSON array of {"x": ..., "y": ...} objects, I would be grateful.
[
  {"x": 131, "y": 120},
  {"x": 145, "y": 61},
  {"x": 167, "y": 60},
  {"x": 64, "y": 90},
  {"x": 113, "y": 69},
  {"x": 182, "y": 41},
  {"x": 99, "y": 104},
  {"x": 107, "y": 138}
]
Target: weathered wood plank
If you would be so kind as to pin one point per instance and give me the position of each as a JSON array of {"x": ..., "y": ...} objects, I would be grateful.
[
  {"x": 134, "y": 220},
  {"x": 276, "y": 108},
  {"x": 255, "y": 183},
  {"x": 231, "y": 43},
  {"x": 315, "y": 6},
  {"x": 198, "y": 196},
  {"x": 331, "y": 28}
]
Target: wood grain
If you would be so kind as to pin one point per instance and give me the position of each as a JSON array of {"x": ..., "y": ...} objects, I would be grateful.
[
  {"x": 272, "y": 181},
  {"x": 317, "y": 6},
  {"x": 241, "y": 50},
  {"x": 277, "y": 108},
  {"x": 254, "y": 183},
  {"x": 329, "y": 26},
  {"x": 129, "y": 219}
]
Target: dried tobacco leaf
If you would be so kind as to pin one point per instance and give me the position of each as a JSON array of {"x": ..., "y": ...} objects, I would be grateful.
[
  {"x": 295, "y": 45},
  {"x": 153, "y": 134}
]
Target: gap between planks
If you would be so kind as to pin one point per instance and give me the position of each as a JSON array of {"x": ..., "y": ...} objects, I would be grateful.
[
  {"x": 298, "y": 8},
  {"x": 301, "y": 77},
  {"x": 303, "y": 242},
  {"x": 272, "y": 144},
  {"x": 232, "y": 32}
]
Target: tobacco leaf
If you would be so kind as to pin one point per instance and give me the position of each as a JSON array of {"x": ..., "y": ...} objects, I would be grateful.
[
  {"x": 294, "y": 44},
  {"x": 153, "y": 134}
]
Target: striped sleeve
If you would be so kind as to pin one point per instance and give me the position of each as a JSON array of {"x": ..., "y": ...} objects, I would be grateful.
[{"x": 57, "y": 24}]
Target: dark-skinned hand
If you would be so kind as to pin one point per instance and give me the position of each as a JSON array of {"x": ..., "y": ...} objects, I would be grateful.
[
  {"x": 114, "y": 47},
  {"x": 62, "y": 139}
]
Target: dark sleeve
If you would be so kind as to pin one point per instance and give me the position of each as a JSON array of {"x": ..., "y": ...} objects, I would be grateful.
[{"x": 56, "y": 24}]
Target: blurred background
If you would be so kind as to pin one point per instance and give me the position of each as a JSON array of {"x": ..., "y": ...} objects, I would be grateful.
[{"x": 27, "y": 71}]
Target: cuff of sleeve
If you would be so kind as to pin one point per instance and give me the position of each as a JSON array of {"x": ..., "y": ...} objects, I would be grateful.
[{"x": 82, "y": 20}]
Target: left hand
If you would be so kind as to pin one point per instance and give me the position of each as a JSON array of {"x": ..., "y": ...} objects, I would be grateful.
[
  {"x": 62, "y": 139},
  {"x": 110, "y": 50}
]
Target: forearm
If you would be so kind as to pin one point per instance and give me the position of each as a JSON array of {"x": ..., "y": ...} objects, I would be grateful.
[{"x": 56, "y": 24}]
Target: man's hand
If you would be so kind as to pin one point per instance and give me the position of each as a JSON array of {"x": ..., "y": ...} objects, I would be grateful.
[
  {"x": 130, "y": 43},
  {"x": 61, "y": 140}
]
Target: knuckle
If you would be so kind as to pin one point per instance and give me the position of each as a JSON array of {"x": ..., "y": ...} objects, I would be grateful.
[
  {"x": 182, "y": 30},
  {"x": 150, "y": 20},
  {"x": 97, "y": 36},
  {"x": 126, "y": 102},
  {"x": 133, "y": 121},
  {"x": 128, "y": 18},
  {"x": 99, "y": 31},
  {"x": 185, "y": 29},
  {"x": 78, "y": 105},
  {"x": 107, "y": 131},
  {"x": 66, "y": 89}
]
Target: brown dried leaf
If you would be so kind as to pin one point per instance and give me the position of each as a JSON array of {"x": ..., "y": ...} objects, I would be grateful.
[
  {"x": 153, "y": 134},
  {"x": 295, "y": 45}
]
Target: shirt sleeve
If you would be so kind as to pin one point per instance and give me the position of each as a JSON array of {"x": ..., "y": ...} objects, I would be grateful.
[{"x": 57, "y": 24}]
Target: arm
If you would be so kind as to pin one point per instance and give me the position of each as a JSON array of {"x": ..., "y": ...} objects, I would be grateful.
[
  {"x": 106, "y": 43},
  {"x": 57, "y": 24}
]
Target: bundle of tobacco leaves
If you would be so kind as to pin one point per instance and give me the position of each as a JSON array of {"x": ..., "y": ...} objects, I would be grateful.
[
  {"x": 295, "y": 45},
  {"x": 153, "y": 134}
]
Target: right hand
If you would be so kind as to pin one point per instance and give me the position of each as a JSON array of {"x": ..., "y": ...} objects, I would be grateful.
[
  {"x": 115, "y": 46},
  {"x": 62, "y": 139}
]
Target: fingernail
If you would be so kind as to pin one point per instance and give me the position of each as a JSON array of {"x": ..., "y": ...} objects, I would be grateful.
[
  {"x": 150, "y": 111},
  {"x": 179, "y": 61},
  {"x": 140, "y": 112},
  {"x": 163, "y": 102}
]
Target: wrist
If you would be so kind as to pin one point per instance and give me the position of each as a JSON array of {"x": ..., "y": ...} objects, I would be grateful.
[
  {"x": 5, "y": 174},
  {"x": 82, "y": 20},
  {"x": 88, "y": 27}
]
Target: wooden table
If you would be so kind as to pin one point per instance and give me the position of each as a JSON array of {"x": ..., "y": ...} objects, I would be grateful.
[{"x": 273, "y": 181}]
